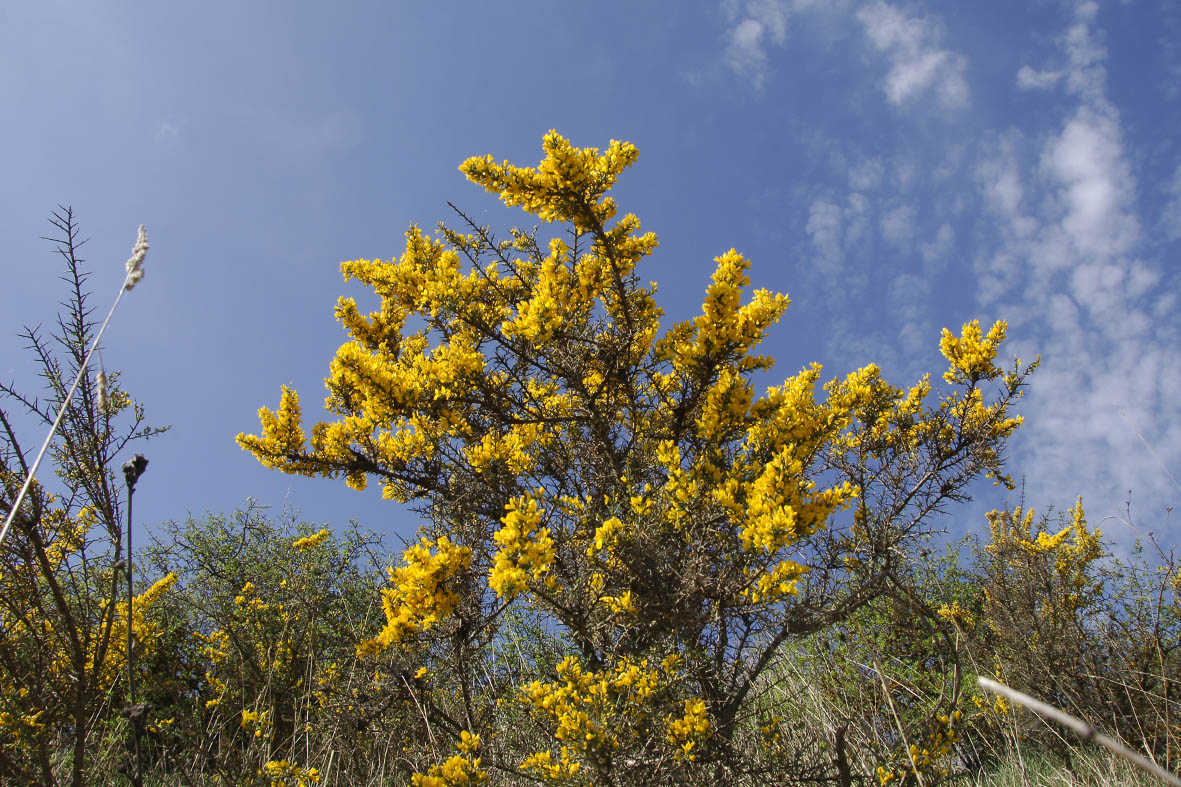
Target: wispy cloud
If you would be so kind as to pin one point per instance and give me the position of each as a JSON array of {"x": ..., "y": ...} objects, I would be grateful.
[
  {"x": 1095, "y": 189},
  {"x": 836, "y": 229},
  {"x": 1170, "y": 220},
  {"x": 312, "y": 135},
  {"x": 1032, "y": 79},
  {"x": 909, "y": 296},
  {"x": 166, "y": 131},
  {"x": 1070, "y": 267},
  {"x": 1170, "y": 48},
  {"x": 866, "y": 174},
  {"x": 918, "y": 65},
  {"x": 826, "y": 229},
  {"x": 755, "y": 25},
  {"x": 935, "y": 251}
]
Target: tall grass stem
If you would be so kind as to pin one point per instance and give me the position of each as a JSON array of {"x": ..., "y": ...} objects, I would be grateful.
[{"x": 1079, "y": 727}]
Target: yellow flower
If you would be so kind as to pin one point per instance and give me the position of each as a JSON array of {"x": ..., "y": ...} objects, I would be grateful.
[
  {"x": 468, "y": 743},
  {"x": 421, "y": 595},
  {"x": 972, "y": 354},
  {"x": 308, "y": 542},
  {"x": 526, "y": 549}
]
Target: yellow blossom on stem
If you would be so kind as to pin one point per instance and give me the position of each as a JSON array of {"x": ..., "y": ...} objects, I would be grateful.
[
  {"x": 526, "y": 549},
  {"x": 421, "y": 595},
  {"x": 309, "y": 542}
]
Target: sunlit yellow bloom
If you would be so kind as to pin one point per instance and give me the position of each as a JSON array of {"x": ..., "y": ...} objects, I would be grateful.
[{"x": 314, "y": 540}]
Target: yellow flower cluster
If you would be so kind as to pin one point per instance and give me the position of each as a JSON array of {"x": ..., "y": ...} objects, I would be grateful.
[
  {"x": 247, "y": 598},
  {"x": 955, "y": 614},
  {"x": 1068, "y": 553},
  {"x": 543, "y": 763},
  {"x": 282, "y": 436},
  {"x": 688, "y": 730},
  {"x": 256, "y": 722},
  {"x": 401, "y": 397},
  {"x": 725, "y": 328},
  {"x": 780, "y": 505},
  {"x": 458, "y": 769},
  {"x": 282, "y": 773},
  {"x": 769, "y": 733},
  {"x": 884, "y": 418},
  {"x": 972, "y": 355},
  {"x": 421, "y": 595},
  {"x": 606, "y": 536},
  {"x": 1016, "y": 527},
  {"x": 775, "y": 582},
  {"x": 16, "y": 724},
  {"x": 146, "y": 635},
  {"x": 526, "y": 549},
  {"x": 510, "y": 449},
  {"x": 541, "y": 315},
  {"x": 568, "y": 185},
  {"x": 593, "y": 714},
  {"x": 999, "y": 705},
  {"x": 494, "y": 367},
  {"x": 69, "y": 535},
  {"x": 217, "y": 643},
  {"x": 312, "y": 541}
]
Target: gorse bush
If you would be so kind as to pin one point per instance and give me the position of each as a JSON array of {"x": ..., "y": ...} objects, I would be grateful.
[
  {"x": 623, "y": 481},
  {"x": 1065, "y": 621}
]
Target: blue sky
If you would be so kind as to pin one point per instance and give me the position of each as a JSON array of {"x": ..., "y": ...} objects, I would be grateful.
[{"x": 896, "y": 167}]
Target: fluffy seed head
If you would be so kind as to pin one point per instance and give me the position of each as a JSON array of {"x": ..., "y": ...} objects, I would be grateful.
[{"x": 135, "y": 265}]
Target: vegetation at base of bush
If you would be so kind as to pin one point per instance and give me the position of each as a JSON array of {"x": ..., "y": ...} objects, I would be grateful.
[{"x": 1035, "y": 768}]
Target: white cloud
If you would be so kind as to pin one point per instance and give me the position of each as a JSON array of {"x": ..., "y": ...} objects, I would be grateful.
[
  {"x": 755, "y": 24},
  {"x": 745, "y": 53},
  {"x": 1032, "y": 79},
  {"x": 917, "y": 65},
  {"x": 835, "y": 230},
  {"x": 908, "y": 295},
  {"x": 166, "y": 131},
  {"x": 1086, "y": 74},
  {"x": 998, "y": 175},
  {"x": 857, "y": 218},
  {"x": 1096, "y": 190},
  {"x": 867, "y": 174},
  {"x": 1062, "y": 255}
]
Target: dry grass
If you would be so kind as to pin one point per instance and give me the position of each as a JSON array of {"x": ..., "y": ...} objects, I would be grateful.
[{"x": 1088, "y": 768}]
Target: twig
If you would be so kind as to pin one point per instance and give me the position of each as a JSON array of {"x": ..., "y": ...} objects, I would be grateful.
[{"x": 1079, "y": 727}]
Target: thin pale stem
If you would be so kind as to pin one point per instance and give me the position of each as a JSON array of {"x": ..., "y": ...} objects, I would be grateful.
[
  {"x": 82, "y": 368},
  {"x": 1079, "y": 727}
]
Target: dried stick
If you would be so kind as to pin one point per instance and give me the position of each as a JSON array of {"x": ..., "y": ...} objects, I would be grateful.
[{"x": 1080, "y": 728}]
